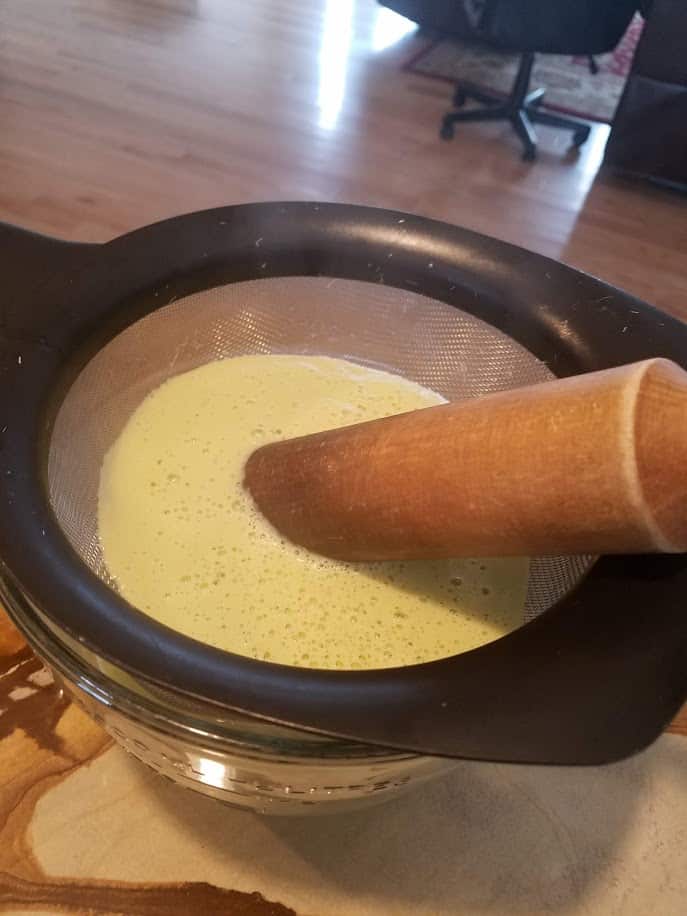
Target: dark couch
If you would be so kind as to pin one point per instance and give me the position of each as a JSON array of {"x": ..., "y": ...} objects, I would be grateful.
[{"x": 649, "y": 134}]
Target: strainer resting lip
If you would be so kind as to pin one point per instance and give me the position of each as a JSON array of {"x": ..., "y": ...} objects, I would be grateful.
[{"x": 591, "y": 680}]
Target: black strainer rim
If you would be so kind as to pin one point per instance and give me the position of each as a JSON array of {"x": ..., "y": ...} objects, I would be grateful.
[{"x": 594, "y": 678}]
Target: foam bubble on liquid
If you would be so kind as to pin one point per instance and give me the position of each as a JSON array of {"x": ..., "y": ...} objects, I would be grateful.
[{"x": 184, "y": 541}]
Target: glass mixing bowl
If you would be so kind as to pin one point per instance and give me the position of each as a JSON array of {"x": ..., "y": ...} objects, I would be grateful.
[{"x": 238, "y": 759}]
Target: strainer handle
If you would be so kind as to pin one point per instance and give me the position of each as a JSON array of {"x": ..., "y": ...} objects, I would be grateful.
[{"x": 28, "y": 259}]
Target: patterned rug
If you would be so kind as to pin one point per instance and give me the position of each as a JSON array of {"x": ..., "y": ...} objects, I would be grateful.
[{"x": 570, "y": 86}]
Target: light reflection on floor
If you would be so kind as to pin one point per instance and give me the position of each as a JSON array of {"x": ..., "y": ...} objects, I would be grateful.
[
  {"x": 389, "y": 28},
  {"x": 336, "y": 51}
]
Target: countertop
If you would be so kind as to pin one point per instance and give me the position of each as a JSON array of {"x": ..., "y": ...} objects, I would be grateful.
[{"x": 86, "y": 829}]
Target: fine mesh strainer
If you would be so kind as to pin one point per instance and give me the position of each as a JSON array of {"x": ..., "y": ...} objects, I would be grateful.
[
  {"x": 600, "y": 666},
  {"x": 441, "y": 347}
]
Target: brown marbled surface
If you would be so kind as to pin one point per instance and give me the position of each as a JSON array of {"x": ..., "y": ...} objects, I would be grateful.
[
  {"x": 43, "y": 739},
  {"x": 85, "y": 829}
]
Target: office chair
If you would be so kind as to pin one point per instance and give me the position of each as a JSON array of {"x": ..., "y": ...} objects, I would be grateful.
[{"x": 575, "y": 27}]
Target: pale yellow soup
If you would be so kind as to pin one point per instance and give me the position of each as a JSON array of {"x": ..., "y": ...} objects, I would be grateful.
[{"x": 184, "y": 542}]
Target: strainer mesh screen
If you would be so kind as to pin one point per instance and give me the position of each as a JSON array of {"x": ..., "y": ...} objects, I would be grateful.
[{"x": 427, "y": 341}]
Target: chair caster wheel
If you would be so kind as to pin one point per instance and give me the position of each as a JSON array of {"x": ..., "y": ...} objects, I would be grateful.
[
  {"x": 459, "y": 98},
  {"x": 580, "y": 137},
  {"x": 530, "y": 154},
  {"x": 447, "y": 130}
]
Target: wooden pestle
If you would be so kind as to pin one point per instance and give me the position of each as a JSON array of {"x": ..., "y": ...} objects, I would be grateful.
[{"x": 594, "y": 463}]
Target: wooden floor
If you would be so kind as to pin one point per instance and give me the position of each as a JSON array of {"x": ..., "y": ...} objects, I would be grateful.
[{"x": 116, "y": 113}]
